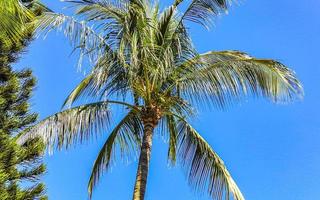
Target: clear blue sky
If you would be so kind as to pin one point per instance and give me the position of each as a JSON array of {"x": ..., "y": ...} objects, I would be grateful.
[{"x": 272, "y": 151}]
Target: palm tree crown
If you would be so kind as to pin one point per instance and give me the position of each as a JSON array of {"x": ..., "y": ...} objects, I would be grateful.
[{"x": 144, "y": 60}]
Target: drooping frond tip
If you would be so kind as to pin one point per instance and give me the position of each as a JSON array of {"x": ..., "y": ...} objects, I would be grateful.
[
  {"x": 126, "y": 136},
  {"x": 205, "y": 170},
  {"x": 81, "y": 35},
  {"x": 203, "y": 11}
]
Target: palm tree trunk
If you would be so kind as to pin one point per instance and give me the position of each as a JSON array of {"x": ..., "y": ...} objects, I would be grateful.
[{"x": 144, "y": 160}]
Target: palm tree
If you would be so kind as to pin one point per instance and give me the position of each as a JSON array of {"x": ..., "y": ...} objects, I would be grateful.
[{"x": 144, "y": 60}]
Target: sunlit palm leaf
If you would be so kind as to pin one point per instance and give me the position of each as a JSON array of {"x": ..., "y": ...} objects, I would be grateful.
[
  {"x": 202, "y": 11},
  {"x": 70, "y": 126},
  {"x": 205, "y": 170},
  {"x": 109, "y": 17},
  {"x": 126, "y": 136},
  {"x": 81, "y": 35},
  {"x": 79, "y": 90},
  {"x": 221, "y": 77},
  {"x": 106, "y": 78},
  {"x": 102, "y": 10},
  {"x": 90, "y": 85}
]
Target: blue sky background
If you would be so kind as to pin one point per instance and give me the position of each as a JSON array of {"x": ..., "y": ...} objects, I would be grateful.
[{"x": 272, "y": 151}]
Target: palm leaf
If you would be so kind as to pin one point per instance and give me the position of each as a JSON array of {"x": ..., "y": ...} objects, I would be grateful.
[
  {"x": 14, "y": 18},
  {"x": 79, "y": 90},
  {"x": 91, "y": 84},
  {"x": 80, "y": 34},
  {"x": 171, "y": 125},
  {"x": 205, "y": 170},
  {"x": 202, "y": 11},
  {"x": 109, "y": 17},
  {"x": 126, "y": 135},
  {"x": 106, "y": 78},
  {"x": 220, "y": 77},
  {"x": 71, "y": 126},
  {"x": 164, "y": 23},
  {"x": 101, "y": 10}
]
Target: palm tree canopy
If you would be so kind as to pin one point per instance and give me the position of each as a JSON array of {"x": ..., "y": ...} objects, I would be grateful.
[{"x": 146, "y": 58}]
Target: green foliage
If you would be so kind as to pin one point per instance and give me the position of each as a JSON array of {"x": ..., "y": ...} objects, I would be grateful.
[
  {"x": 16, "y": 17},
  {"x": 204, "y": 168},
  {"x": 13, "y": 15},
  {"x": 20, "y": 165},
  {"x": 147, "y": 59},
  {"x": 127, "y": 136}
]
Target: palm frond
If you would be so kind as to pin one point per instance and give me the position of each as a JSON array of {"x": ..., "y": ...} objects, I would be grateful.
[
  {"x": 14, "y": 18},
  {"x": 116, "y": 3},
  {"x": 164, "y": 23},
  {"x": 205, "y": 170},
  {"x": 202, "y": 11},
  {"x": 221, "y": 77},
  {"x": 37, "y": 5},
  {"x": 101, "y": 10},
  {"x": 93, "y": 82},
  {"x": 80, "y": 34},
  {"x": 126, "y": 136},
  {"x": 107, "y": 78},
  {"x": 71, "y": 126},
  {"x": 79, "y": 90},
  {"x": 171, "y": 126},
  {"x": 109, "y": 17}
]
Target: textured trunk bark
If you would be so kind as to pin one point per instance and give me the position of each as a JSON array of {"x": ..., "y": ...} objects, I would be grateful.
[{"x": 143, "y": 165}]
